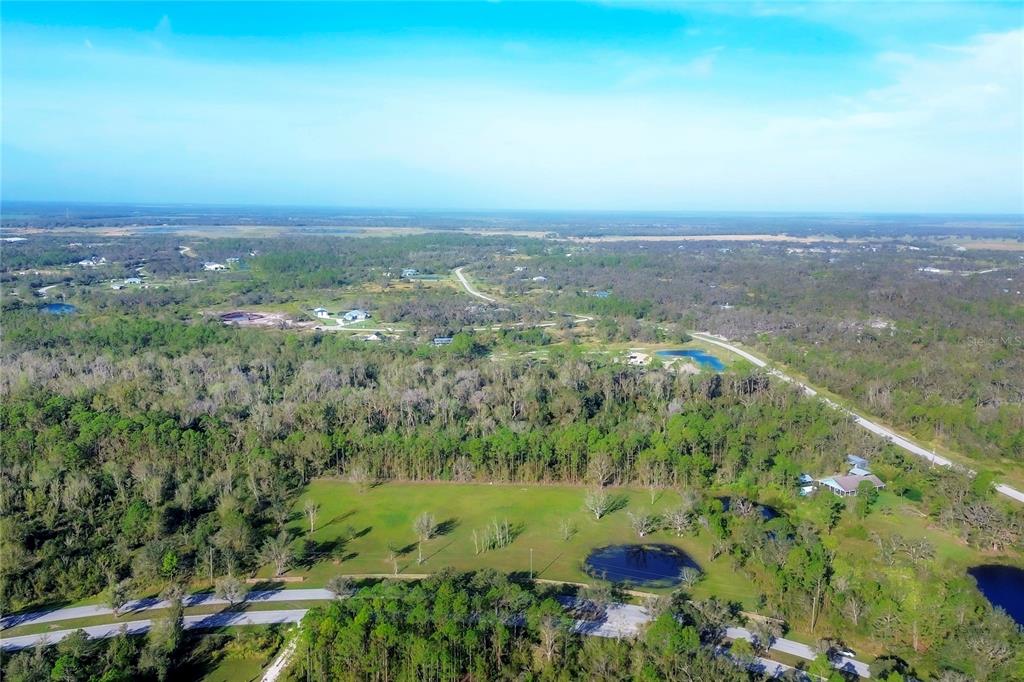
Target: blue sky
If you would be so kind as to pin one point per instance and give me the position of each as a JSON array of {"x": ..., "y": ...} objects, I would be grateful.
[{"x": 657, "y": 106}]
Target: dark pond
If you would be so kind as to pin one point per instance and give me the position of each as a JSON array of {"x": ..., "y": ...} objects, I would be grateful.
[
  {"x": 1003, "y": 586},
  {"x": 702, "y": 358},
  {"x": 58, "y": 309},
  {"x": 767, "y": 513},
  {"x": 655, "y": 565}
]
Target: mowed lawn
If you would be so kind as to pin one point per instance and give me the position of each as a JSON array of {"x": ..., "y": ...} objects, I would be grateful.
[{"x": 382, "y": 517}]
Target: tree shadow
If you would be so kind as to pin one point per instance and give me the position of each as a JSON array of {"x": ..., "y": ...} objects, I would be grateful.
[
  {"x": 361, "y": 533},
  {"x": 338, "y": 518},
  {"x": 549, "y": 565},
  {"x": 617, "y": 503},
  {"x": 446, "y": 527},
  {"x": 438, "y": 550},
  {"x": 314, "y": 551}
]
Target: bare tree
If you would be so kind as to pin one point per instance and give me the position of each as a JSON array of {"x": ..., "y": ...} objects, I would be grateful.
[
  {"x": 117, "y": 595},
  {"x": 392, "y": 559},
  {"x": 566, "y": 529},
  {"x": 680, "y": 520},
  {"x": 654, "y": 477},
  {"x": 689, "y": 576},
  {"x": 340, "y": 585},
  {"x": 230, "y": 589},
  {"x": 765, "y": 632},
  {"x": 550, "y": 633},
  {"x": 597, "y": 502},
  {"x": 312, "y": 509},
  {"x": 360, "y": 474},
  {"x": 424, "y": 526},
  {"x": 643, "y": 522},
  {"x": 600, "y": 469},
  {"x": 277, "y": 551}
]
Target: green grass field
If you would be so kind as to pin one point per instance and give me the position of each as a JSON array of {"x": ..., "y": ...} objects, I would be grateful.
[{"x": 383, "y": 516}]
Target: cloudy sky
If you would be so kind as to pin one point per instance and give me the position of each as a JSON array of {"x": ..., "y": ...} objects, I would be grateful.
[{"x": 740, "y": 106}]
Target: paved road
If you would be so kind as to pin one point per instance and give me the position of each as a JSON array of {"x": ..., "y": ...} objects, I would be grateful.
[
  {"x": 874, "y": 427},
  {"x": 469, "y": 287},
  {"x": 137, "y": 627},
  {"x": 137, "y": 605}
]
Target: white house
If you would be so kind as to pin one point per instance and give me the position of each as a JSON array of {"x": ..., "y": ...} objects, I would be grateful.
[
  {"x": 410, "y": 272},
  {"x": 209, "y": 265},
  {"x": 321, "y": 313},
  {"x": 133, "y": 280},
  {"x": 540, "y": 278},
  {"x": 356, "y": 315}
]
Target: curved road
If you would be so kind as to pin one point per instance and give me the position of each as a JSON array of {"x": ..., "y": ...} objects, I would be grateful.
[{"x": 874, "y": 427}]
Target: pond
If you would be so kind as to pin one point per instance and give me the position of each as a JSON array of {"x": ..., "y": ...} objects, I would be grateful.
[
  {"x": 58, "y": 309},
  {"x": 702, "y": 358},
  {"x": 767, "y": 513},
  {"x": 1003, "y": 586},
  {"x": 646, "y": 565}
]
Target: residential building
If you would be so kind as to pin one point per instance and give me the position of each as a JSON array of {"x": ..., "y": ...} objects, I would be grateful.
[
  {"x": 846, "y": 485},
  {"x": 356, "y": 315}
]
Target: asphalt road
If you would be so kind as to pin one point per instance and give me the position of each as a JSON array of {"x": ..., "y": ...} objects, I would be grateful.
[{"x": 874, "y": 427}]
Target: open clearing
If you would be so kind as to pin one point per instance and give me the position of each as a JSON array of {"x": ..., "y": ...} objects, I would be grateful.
[{"x": 383, "y": 516}]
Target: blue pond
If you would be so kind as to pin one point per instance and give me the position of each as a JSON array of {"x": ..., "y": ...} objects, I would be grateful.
[
  {"x": 655, "y": 565},
  {"x": 702, "y": 358},
  {"x": 1003, "y": 586},
  {"x": 58, "y": 309}
]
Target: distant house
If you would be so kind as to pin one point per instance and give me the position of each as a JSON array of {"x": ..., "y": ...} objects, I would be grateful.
[
  {"x": 859, "y": 471},
  {"x": 322, "y": 313},
  {"x": 372, "y": 337},
  {"x": 442, "y": 340},
  {"x": 214, "y": 267},
  {"x": 356, "y": 315},
  {"x": 602, "y": 294},
  {"x": 409, "y": 272},
  {"x": 93, "y": 262},
  {"x": 846, "y": 485},
  {"x": 856, "y": 461},
  {"x": 805, "y": 479},
  {"x": 231, "y": 261},
  {"x": 540, "y": 278},
  {"x": 132, "y": 280}
]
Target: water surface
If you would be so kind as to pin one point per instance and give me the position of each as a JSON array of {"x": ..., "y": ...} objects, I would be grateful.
[
  {"x": 643, "y": 565},
  {"x": 58, "y": 309},
  {"x": 1003, "y": 586},
  {"x": 702, "y": 358}
]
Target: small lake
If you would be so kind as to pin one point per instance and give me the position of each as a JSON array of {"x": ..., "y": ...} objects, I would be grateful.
[
  {"x": 58, "y": 309},
  {"x": 702, "y": 358},
  {"x": 767, "y": 513},
  {"x": 653, "y": 565},
  {"x": 1003, "y": 586}
]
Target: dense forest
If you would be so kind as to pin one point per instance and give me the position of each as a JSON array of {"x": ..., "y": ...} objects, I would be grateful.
[{"x": 938, "y": 353}]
